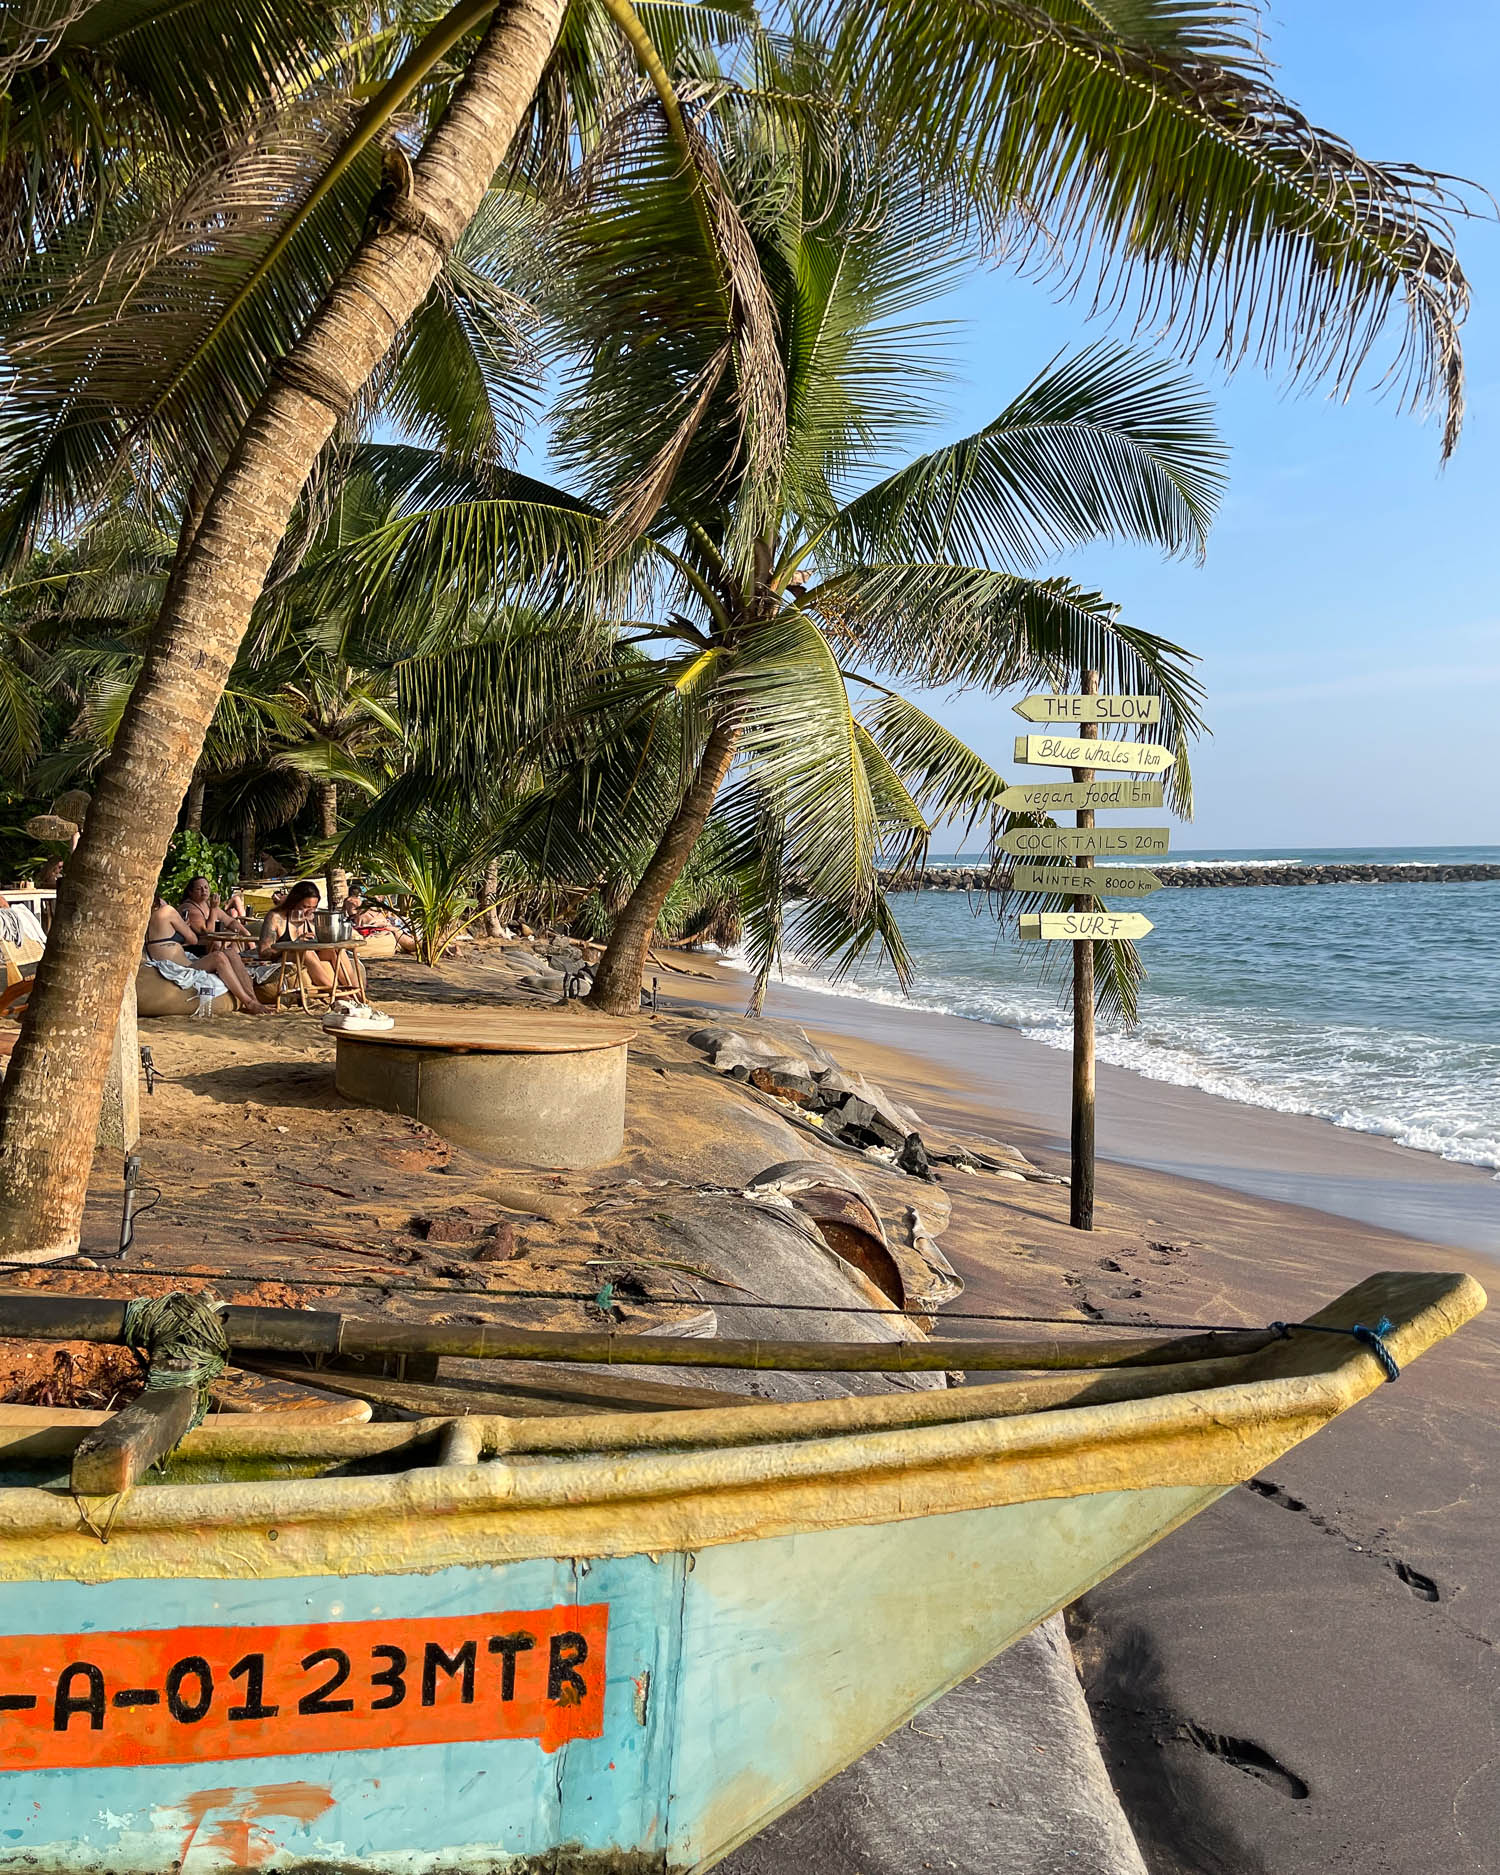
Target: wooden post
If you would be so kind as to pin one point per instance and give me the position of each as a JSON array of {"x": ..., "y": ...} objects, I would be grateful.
[
  {"x": 1081, "y": 1194},
  {"x": 122, "y": 1450}
]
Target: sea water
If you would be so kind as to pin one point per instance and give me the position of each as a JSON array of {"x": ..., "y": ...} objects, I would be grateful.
[{"x": 1374, "y": 1006}]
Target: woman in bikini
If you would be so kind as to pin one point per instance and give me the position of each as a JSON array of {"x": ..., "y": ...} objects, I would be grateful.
[
  {"x": 200, "y": 909},
  {"x": 292, "y": 923},
  {"x": 168, "y": 937}
]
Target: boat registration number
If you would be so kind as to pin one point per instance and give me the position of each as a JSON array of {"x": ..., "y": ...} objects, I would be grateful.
[{"x": 178, "y": 1695}]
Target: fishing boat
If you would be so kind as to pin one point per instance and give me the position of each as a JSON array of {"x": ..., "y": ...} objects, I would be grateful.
[{"x": 576, "y": 1643}]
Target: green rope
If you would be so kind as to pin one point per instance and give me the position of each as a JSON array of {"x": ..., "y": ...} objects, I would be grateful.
[{"x": 186, "y": 1330}]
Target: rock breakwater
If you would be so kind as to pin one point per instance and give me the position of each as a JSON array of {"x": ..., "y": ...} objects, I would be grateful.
[{"x": 981, "y": 878}]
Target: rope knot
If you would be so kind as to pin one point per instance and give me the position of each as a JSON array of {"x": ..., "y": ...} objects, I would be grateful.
[
  {"x": 1373, "y": 1339},
  {"x": 182, "y": 1339}
]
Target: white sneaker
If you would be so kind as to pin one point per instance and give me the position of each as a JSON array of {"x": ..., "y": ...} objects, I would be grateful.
[{"x": 348, "y": 1013}]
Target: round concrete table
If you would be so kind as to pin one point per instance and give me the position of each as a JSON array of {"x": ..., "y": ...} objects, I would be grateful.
[{"x": 518, "y": 1086}]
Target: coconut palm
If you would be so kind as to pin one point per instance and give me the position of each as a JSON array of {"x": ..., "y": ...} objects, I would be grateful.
[
  {"x": 776, "y": 580},
  {"x": 1292, "y": 208}
]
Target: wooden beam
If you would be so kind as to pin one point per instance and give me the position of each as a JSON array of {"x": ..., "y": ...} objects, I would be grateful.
[{"x": 127, "y": 1445}]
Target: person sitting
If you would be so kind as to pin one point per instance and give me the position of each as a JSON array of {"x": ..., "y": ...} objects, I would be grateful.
[
  {"x": 292, "y": 922},
  {"x": 168, "y": 951},
  {"x": 374, "y": 920},
  {"x": 201, "y": 910}
]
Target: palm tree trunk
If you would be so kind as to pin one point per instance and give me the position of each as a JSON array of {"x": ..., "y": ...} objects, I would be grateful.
[
  {"x": 617, "y": 981},
  {"x": 192, "y": 805},
  {"x": 249, "y": 841},
  {"x": 335, "y": 878},
  {"x": 50, "y": 1100},
  {"x": 489, "y": 891}
]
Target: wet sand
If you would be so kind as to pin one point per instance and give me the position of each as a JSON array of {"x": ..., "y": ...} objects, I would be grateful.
[{"x": 1306, "y": 1678}]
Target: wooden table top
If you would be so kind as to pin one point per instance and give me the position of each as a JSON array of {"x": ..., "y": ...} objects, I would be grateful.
[
  {"x": 319, "y": 944},
  {"x": 497, "y": 1032}
]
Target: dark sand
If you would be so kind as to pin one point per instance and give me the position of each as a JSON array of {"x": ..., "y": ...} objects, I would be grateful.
[{"x": 1305, "y": 1679}]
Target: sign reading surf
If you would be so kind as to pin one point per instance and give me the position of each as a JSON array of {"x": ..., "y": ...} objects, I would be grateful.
[
  {"x": 179, "y": 1695},
  {"x": 1145, "y": 758},
  {"x": 1086, "y": 924}
]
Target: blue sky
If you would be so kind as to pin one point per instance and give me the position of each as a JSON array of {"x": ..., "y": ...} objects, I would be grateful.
[{"x": 1348, "y": 613}]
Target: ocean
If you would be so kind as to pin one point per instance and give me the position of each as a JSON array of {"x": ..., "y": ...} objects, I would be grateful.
[{"x": 1376, "y": 1007}]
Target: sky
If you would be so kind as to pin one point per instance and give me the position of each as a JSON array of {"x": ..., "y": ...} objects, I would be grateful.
[{"x": 1348, "y": 612}]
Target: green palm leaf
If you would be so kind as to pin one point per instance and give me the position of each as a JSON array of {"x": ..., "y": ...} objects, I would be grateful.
[
  {"x": 1143, "y": 145},
  {"x": 1108, "y": 444}
]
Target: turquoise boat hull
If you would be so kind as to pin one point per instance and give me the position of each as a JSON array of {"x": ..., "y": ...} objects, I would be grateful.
[
  {"x": 569, "y": 1646},
  {"x": 734, "y": 1680}
]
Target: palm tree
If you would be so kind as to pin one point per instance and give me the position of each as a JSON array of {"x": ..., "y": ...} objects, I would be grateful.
[
  {"x": 52, "y": 1087},
  {"x": 777, "y": 588},
  {"x": 1290, "y": 208}
]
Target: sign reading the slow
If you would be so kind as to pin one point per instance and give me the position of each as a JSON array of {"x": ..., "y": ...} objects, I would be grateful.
[
  {"x": 1077, "y": 925},
  {"x": 1146, "y": 758},
  {"x": 1095, "y": 882},
  {"x": 1103, "y": 842},
  {"x": 1090, "y": 709}
]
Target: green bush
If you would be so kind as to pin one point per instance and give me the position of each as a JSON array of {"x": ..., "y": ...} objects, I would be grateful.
[{"x": 190, "y": 853}]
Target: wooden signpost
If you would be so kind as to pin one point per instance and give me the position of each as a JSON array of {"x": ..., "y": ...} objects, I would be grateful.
[
  {"x": 1085, "y": 882},
  {"x": 1088, "y": 708},
  {"x": 1051, "y": 797},
  {"x": 1086, "y": 754},
  {"x": 1107, "y": 842},
  {"x": 1144, "y": 758},
  {"x": 1097, "y": 926}
]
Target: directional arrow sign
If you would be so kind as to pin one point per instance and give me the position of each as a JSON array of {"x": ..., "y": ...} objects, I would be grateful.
[
  {"x": 1146, "y": 758},
  {"x": 1086, "y": 924},
  {"x": 1102, "y": 842},
  {"x": 1050, "y": 797},
  {"x": 1090, "y": 709},
  {"x": 1095, "y": 882}
]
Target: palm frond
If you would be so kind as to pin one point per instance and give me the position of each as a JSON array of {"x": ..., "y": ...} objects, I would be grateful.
[
  {"x": 1143, "y": 146},
  {"x": 1109, "y": 444}
]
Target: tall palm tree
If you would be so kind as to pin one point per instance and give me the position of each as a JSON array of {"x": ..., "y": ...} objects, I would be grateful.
[
  {"x": 776, "y": 584},
  {"x": 53, "y": 1085},
  {"x": 1292, "y": 210}
]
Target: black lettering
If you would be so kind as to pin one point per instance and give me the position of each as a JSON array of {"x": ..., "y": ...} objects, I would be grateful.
[
  {"x": 68, "y": 1702},
  {"x": 393, "y": 1676},
  {"x": 252, "y": 1670},
  {"x": 566, "y": 1651},
  {"x": 194, "y": 1667},
  {"x": 435, "y": 1660},
  {"x": 136, "y": 1696},
  {"x": 318, "y": 1701},
  {"x": 508, "y": 1646},
  {"x": 17, "y": 1702}
]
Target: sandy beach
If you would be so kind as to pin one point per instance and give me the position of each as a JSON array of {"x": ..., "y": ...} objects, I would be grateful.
[
  {"x": 1305, "y": 1678},
  {"x": 1302, "y": 1680}
]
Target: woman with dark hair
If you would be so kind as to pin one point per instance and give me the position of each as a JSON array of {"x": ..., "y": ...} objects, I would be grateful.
[
  {"x": 291, "y": 922},
  {"x": 201, "y": 910}
]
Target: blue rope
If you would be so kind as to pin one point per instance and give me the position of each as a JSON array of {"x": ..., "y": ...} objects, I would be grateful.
[{"x": 1371, "y": 1338}]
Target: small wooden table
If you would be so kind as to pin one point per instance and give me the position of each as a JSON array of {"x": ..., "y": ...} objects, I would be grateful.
[
  {"x": 525, "y": 1087},
  {"x": 292, "y": 981}
]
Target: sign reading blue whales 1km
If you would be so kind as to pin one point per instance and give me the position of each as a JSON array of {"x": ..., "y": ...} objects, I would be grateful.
[
  {"x": 1090, "y": 709},
  {"x": 1142, "y": 758},
  {"x": 1098, "y": 925},
  {"x": 1097, "y": 842},
  {"x": 1081, "y": 882},
  {"x": 1105, "y": 792}
]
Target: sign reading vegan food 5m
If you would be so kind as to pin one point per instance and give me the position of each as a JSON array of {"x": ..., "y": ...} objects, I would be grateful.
[{"x": 176, "y": 1695}]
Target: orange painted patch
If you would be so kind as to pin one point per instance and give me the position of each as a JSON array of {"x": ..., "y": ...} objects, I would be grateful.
[{"x": 181, "y": 1695}]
